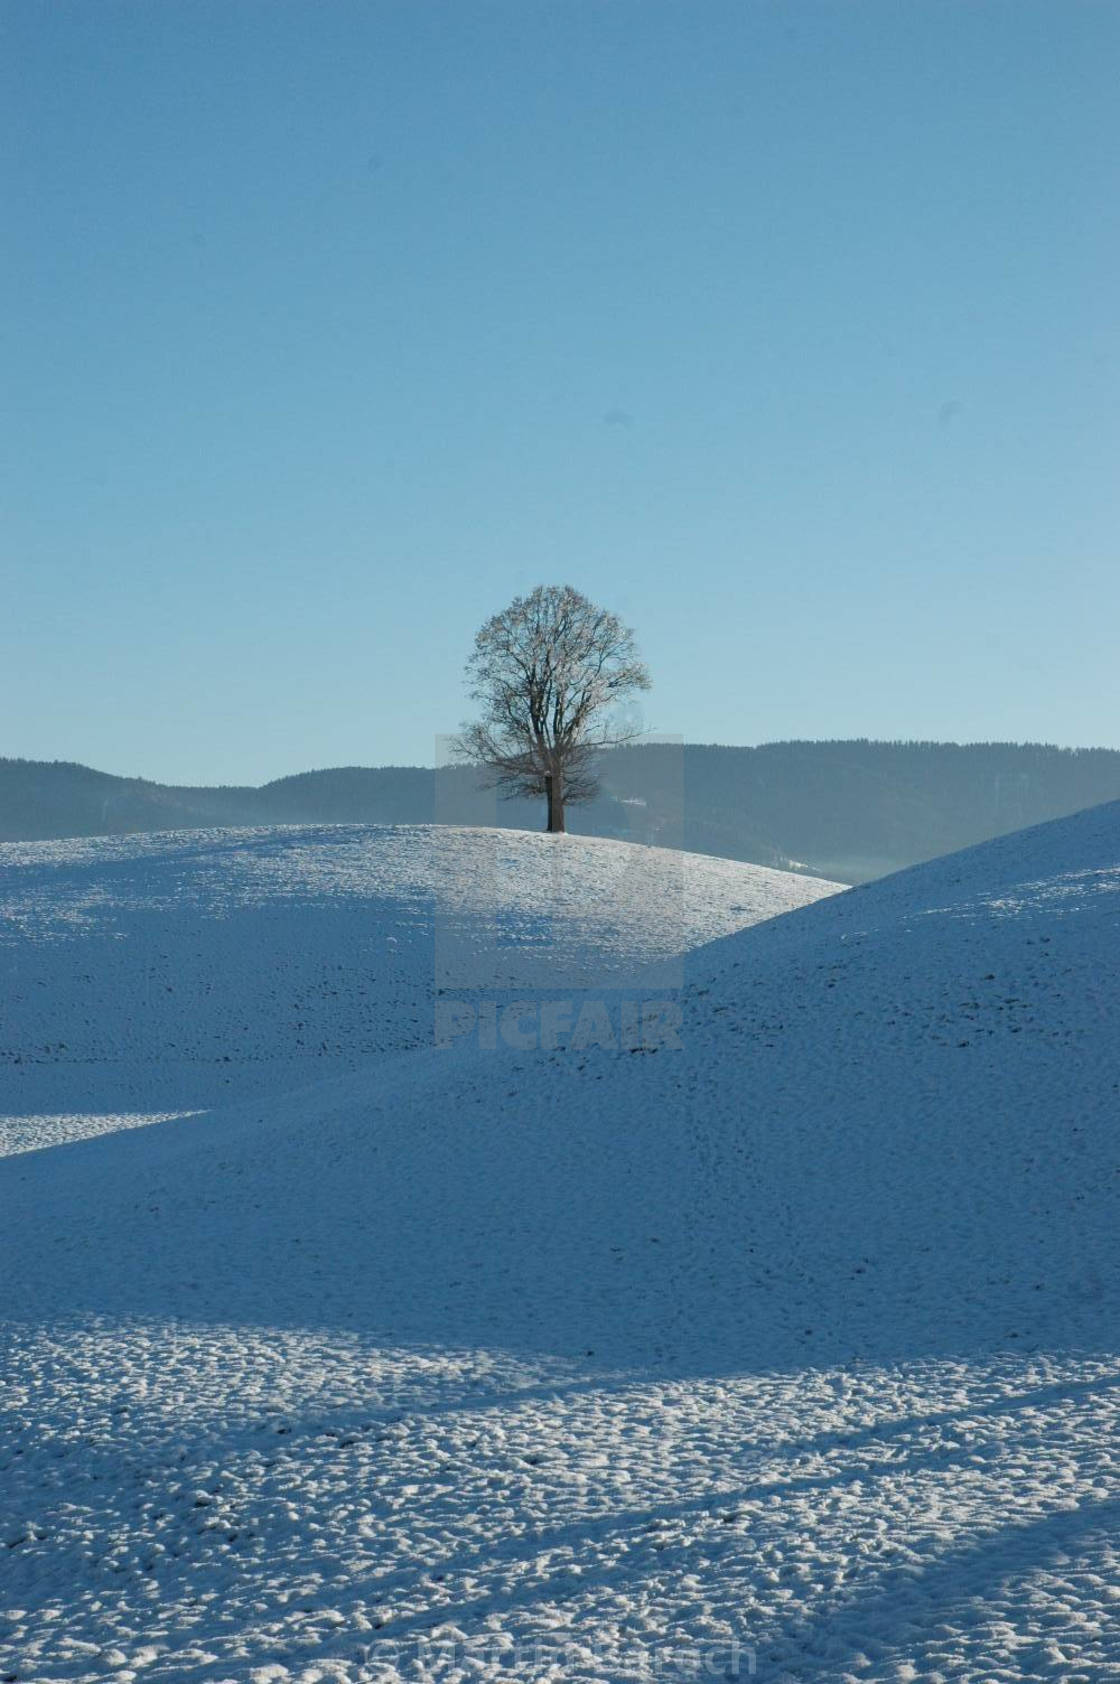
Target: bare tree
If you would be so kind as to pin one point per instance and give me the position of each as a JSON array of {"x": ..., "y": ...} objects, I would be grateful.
[{"x": 551, "y": 673}]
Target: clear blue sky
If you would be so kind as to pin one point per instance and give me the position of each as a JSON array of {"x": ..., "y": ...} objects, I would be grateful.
[{"x": 789, "y": 331}]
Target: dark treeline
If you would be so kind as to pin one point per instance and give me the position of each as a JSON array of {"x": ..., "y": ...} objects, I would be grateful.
[
  {"x": 857, "y": 809},
  {"x": 850, "y": 810}
]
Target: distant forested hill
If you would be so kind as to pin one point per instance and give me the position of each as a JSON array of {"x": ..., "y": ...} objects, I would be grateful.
[{"x": 849, "y": 810}]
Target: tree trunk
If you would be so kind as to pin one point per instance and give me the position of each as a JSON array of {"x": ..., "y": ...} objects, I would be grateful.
[{"x": 554, "y": 790}]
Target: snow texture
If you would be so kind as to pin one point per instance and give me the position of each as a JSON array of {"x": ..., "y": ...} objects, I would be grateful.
[
  {"x": 153, "y": 974},
  {"x": 792, "y": 1351}
]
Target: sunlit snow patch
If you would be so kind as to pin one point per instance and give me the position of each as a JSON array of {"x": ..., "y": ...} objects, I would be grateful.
[{"x": 32, "y": 1134}]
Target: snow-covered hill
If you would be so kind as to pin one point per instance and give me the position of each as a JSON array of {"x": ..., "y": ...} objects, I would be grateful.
[
  {"x": 163, "y": 972},
  {"x": 801, "y": 1338}
]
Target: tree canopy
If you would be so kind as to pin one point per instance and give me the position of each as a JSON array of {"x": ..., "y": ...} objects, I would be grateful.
[{"x": 553, "y": 674}]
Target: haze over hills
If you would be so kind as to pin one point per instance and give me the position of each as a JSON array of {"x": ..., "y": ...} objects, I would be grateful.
[
  {"x": 801, "y": 1336},
  {"x": 844, "y": 810}
]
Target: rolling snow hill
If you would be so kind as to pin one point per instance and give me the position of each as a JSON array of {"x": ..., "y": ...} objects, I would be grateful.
[
  {"x": 167, "y": 971},
  {"x": 793, "y": 1349}
]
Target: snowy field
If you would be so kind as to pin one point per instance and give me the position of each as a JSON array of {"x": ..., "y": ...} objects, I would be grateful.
[
  {"x": 145, "y": 975},
  {"x": 790, "y": 1353}
]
